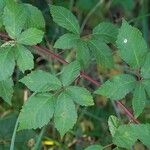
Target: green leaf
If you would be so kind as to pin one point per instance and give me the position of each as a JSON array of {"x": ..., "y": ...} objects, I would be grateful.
[
  {"x": 65, "y": 18},
  {"x": 14, "y": 18},
  {"x": 145, "y": 70},
  {"x": 2, "y": 5},
  {"x": 113, "y": 123},
  {"x": 65, "y": 115},
  {"x": 6, "y": 90},
  {"x": 70, "y": 72},
  {"x": 37, "y": 111},
  {"x": 35, "y": 17},
  {"x": 127, "y": 135},
  {"x": 106, "y": 31},
  {"x": 67, "y": 41},
  {"x": 102, "y": 53},
  {"x": 31, "y": 36},
  {"x": 94, "y": 147},
  {"x": 117, "y": 87},
  {"x": 24, "y": 58},
  {"x": 139, "y": 99},
  {"x": 80, "y": 95},
  {"x": 40, "y": 81},
  {"x": 83, "y": 53},
  {"x": 131, "y": 45},
  {"x": 7, "y": 63}
]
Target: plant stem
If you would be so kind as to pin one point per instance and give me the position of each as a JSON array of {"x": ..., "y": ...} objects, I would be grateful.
[
  {"x": 82, "y": 74},
  {"x": 14, "y": 135}
]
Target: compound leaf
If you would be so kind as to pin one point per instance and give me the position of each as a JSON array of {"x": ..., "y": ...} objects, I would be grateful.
[
  {"x": 65, "y": 18},
  {"x": 131, "y": 45},
  {"x": 37, "y": 111},
  {"x": 40, "y": 81},
  {"x": 65, "y": 115},
  {"x": 117, "y": 87}
]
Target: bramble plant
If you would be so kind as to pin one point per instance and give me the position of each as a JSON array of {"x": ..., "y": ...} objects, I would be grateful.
[{"x": 55, "y": 97}]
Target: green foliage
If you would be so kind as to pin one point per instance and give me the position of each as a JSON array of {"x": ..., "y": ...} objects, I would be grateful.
[
  {"x": 132, "y": 46},
  {"x": 37, "y": 111},
  {"x": 117, "y": 87},
  {"x": 127, "y": 135},
  {"x": 65, "y": 18},
  {"x": 94, "y": 147}
]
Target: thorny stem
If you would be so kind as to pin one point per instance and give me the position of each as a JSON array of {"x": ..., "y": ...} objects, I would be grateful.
[{"x": 82, "y": 74}]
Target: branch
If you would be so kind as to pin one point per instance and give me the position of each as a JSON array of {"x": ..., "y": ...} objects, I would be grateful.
[{"x": 82, "y": 74}]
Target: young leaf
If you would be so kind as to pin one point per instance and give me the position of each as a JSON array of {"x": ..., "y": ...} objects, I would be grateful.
[
  {"x": 83, "y": 53},
  {"x": 7, "y": 63},
  {"x": 145, "y": 70},
  {"x": 67, "y": 41},
  {"x": 37, "y": 111},
  {"x": 14, "y": 18},
  {"x": 127, "y": 135},
  {"x": 31, "y": 36},
  {"x": 113, "y": 123},
  {"x": 139, "y": 99},
  {"x": 65, "y": 115},
  {"x": 102, "y": 53},
  {"x": 80, "y": 95},
  {"x": 35, "y": 17},
  {"x": 131, "y": 45},
  {"x": 106, "y": 31},
  {"x": 24, "y": 58},
  {"x": 65, "y": 18},
  {"x": 40, "y": 81},
  {"x": 117, "y": 87},
  {"x": 94, "y": 147},
  {"x": 70, "y": 72},
  {"x": 6, "y": 90}
]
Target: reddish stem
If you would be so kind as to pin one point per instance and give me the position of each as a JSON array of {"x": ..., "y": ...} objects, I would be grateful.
[{"x": 60, "y": 59}]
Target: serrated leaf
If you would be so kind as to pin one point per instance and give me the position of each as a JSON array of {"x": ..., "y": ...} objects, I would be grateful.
[
  {"x": 131, "y": 45},
  {"x": 14, "y": 18},
  {"x": 7, "y": 63},
  {"x": 31, "y": 36},
  {"x": 24, "y": 58},
  {"x": 146, "y": 84},
  {"x": 37, "y": 111},
  {"x": 40, "y": 81},
  {"x": 65, "y": 115},
  {"x": 127, "y": 135},
  {"x": 83, "y": 53},
  {"x": 94, "y": 147},
  {"x": 6, "y": 90},
  {"x": 106, "y": 32},
  {"x": 80, "y": 95},
  {"x": 145, "y": 70},
  {"x": 65, "y": 18},
  {"x": 139, "y": 99},
  {"x": 117, "y": 87},
  {"x": 66, "y": 41},
  {"x": 70, "y": 72},
  {"x": 35, "y": 17},
  {"x": 113, "y": 123},
  {"x": 102, "y": 53}
]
